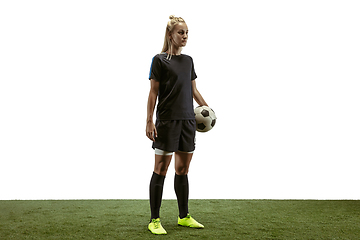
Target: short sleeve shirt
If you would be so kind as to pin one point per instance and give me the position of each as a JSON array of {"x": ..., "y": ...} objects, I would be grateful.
[{"x": 175, "y": 96}]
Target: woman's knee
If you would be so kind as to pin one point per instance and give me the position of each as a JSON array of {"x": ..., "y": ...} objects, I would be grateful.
[
  {"x": 182, "y": 163},
  {"x": 161, "y": 170},
  {"x": 183, "y": 170}
]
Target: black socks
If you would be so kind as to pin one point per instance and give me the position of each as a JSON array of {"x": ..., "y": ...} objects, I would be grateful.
[
  {"x": 156, "y": 190},
  {"x": 181, "y": 185}
]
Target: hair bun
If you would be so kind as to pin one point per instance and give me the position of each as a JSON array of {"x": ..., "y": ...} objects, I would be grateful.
[{"x": 172, "y": 17}]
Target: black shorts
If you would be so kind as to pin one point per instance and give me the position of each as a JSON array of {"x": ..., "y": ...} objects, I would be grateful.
[{"x": 175, "y": 135}]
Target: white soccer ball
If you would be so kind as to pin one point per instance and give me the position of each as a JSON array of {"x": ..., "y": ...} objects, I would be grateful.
[{"x": 205, "y": 118}]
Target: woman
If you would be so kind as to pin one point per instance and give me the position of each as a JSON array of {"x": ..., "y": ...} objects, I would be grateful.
[{"x": 172, "y": 77}]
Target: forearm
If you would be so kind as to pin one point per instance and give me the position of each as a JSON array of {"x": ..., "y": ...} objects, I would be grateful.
[
  {"x": 199, "y": 99},
  {"x": 151, "y": 106}
]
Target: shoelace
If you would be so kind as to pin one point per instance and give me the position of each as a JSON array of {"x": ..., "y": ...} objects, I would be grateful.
[{"x": 157, "y": 224}]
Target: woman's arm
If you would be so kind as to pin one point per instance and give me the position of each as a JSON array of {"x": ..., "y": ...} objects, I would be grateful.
[
  {"x": 197, "y": 96},
  {"x": 151, "y": 132}
]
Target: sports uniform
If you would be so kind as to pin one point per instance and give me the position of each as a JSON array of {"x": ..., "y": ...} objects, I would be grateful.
[{"x": 175, "y": 118}]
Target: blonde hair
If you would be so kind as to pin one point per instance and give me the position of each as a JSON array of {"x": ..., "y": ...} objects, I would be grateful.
[{"x": 170, "y": 26}]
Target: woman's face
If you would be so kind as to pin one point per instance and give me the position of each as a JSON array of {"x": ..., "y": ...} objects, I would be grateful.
[{"x": 179, "y": 35}]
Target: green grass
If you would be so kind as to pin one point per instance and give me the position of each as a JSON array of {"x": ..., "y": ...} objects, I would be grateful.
[{"x": 223, "y": 219}]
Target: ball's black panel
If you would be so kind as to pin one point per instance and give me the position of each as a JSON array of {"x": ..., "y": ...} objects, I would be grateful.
[
  {"x": 205, "y": 113},
  {"x": 213, "y": 122},
  {"x": 201, "y": 126}
]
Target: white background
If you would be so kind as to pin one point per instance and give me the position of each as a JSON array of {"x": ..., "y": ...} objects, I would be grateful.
[{"x": 282, "y": 77}]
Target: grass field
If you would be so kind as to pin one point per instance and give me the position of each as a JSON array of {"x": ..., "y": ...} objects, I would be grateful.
[{"x": 223, "y": 219}]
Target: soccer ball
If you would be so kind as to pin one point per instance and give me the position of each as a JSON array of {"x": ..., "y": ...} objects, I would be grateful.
[{"x": 205, "y": 118}]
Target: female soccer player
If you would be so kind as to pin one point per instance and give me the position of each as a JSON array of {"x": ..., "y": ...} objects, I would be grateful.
[{"x": 172, "y": 77}]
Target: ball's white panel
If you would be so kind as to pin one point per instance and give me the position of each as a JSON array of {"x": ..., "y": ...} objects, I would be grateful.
[{"x": 212, "y": 115}]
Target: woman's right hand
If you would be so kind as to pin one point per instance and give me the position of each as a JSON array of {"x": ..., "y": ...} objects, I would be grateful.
[{"x": 151, "y": 132}]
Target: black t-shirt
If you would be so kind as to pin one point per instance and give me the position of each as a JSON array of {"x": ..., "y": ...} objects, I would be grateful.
[{"x": 175, "y": 91}]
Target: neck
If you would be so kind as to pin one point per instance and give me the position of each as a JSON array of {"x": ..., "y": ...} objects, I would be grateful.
[{"x": 175, "y": 50}]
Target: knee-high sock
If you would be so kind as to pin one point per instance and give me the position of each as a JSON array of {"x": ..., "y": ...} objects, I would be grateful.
[
  {"x": 156, "y": 190},
  {"x": 181, "y": 185}
]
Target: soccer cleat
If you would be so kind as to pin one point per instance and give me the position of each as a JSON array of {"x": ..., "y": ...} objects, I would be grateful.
[
  {"x": 155, "y": 227},
  {"x": 188, "y": 221}
]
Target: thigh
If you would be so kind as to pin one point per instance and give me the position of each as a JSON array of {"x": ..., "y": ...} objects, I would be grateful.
[
  {"x": 182, "y": 162},
  {"x": 162, "y": 163}
]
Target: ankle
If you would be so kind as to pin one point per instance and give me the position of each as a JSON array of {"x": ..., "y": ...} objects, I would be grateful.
[{"x": 181, "y": 216}]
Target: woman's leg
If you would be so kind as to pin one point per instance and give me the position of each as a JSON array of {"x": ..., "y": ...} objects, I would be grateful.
[
  {"x": 182, "y": 164},
  {"x": 162, "y": 163},
  {"x": 181, "y": 183}
]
